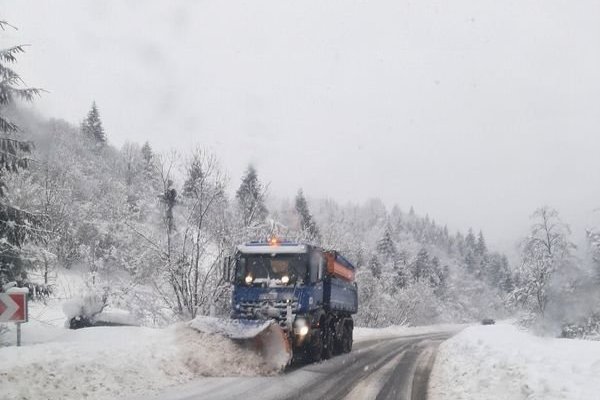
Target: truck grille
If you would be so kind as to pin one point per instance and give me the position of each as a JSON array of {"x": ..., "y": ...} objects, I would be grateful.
[{"x": 265, "y": 309}]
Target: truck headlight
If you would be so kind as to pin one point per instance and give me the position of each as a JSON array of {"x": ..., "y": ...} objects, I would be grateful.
[
  {"x": 248, "y": 279},
  {"x": 303, "y": 331},
  {"x": 285, "y": 279},
  {"x": 301, "y": 327}
]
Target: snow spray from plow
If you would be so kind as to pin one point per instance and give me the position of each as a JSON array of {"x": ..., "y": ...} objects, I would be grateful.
[{"x": 264, "y": 337}]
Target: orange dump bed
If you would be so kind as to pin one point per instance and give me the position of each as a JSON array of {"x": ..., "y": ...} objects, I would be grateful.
[{"x": 336, "y": 267}]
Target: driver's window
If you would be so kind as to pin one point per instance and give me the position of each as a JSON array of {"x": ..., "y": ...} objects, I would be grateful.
[{"x": 240, "y": 269}]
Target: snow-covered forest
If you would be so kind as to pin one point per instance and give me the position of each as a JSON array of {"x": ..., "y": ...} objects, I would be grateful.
[{"x": 148, "y": 233}]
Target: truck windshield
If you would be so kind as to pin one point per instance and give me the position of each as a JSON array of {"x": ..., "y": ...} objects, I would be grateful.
[{"x": 287, "y": 268}]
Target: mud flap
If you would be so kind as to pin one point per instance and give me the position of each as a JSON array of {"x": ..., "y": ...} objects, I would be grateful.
[{"x": 265, "y": 337}]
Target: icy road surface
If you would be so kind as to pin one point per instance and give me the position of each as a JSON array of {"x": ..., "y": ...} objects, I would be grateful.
[{"x": 393, "y": 367}]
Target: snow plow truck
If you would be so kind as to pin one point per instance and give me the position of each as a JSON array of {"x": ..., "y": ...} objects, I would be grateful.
[{"x": 290, "y": 301}]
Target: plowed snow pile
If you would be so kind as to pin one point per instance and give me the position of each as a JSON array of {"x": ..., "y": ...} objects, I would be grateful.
[
  {"x": 117, "y": 362},
  {"x": 502, "y": 362}
]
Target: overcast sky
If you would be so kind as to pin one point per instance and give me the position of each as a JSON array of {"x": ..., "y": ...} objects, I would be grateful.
[{"x": 475, "y": 112}]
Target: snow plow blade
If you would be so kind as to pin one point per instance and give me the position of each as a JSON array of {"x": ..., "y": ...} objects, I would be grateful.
[{"x": 265, "y": 337}]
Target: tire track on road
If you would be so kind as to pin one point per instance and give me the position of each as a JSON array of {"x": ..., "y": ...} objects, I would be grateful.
[
  {"x": 377, "y": 369},
  {"x": 339, "y": 380}
]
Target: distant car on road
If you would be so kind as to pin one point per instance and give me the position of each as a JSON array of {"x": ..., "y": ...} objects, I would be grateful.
[{"x": 488, "y": 321}]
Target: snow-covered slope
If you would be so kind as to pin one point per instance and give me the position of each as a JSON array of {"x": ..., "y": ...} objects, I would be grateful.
[
  {"x": 502, "y": 362},
  {"x": 117, "y": 362}
]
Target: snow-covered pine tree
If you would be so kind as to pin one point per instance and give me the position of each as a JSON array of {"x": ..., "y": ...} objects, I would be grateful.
[
  {"x": 480, "y": 246},
  {"x": 459, "y": 244},
  {"x": 251, "y": 199},
  {"x": 471, "y": 260},
  {"x": 504, "y": 274},
  {"x": 421, "y": 267},
  {"x": 92, "y": 127},
  {"x": 375, "y": 267},
  {"x": 149, "y": 159},
  {"x": 396, "y": 219},
  {"x": 16, "y": 225},
  {"x": 401, "y": 276},
  {"x": 470, "y": 241},
  {"x": 147, "y": 153},
  {"x": 386, "y": 248},
  {"x": 437, "y": 278},
  {"x": 308, "y": 226}
]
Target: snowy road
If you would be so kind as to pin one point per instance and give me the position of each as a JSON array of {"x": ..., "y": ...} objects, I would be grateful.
[{"x": 382, "y": 368}]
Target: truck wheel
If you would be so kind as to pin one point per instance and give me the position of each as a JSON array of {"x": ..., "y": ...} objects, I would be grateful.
[
  {"x": 315, "y": 348},
  {"x": 347, "y": 339},
  {"x": 328, "y": 341},
  {"x": 338, "y": 342}
]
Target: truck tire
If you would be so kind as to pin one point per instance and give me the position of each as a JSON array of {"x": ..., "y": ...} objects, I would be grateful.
[
  {"x": 340, "y": 333},
  {"x": 347, "y": 339},
  {"x": 315, "y": 347},
  {"x": 328, "y": 340}
]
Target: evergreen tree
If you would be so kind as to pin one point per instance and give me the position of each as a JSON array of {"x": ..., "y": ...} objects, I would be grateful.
[
  {"x": 421, "y": 268},
  {"x": 471, "y": 260},
  {"x": 147, "y": 153},
  {"x": 470, "y": 241},
  {"x": 437, "y": 277},
  {"x": 307, "y": 223},
  {"x": 16, "y": 225},
  {"x": 386, "y": 247},
  {"x": 11, "y": 88},
  {"x": 505, "y": 281},
  {"x": 401, "y": 278},
  {"x": 375, "y": 267},
  {"x": 149, "y": 160},
  {"x": 481, "y": 247},
  {"x": 396, "y": 219},
  {"x": 251, "y": 199},
  {"x": 194, "y": 180},
  {"x": 92, "y": 127}
]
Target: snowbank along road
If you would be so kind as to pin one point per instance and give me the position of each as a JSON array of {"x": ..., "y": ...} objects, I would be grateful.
[{"x": 381, "y": 368}]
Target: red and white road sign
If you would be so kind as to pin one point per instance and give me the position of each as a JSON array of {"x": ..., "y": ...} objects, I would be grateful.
[{"x": 13, "y": 307}]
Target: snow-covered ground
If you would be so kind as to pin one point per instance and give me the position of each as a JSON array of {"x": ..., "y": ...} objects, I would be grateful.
[
  {"x": 116, "y": 362},
  {"x": 481, "y": 362},
  {"x": 501, "y": 362}
]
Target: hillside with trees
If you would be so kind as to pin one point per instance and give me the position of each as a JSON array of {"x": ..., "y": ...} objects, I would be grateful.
[{"x": 149, "y": 233}]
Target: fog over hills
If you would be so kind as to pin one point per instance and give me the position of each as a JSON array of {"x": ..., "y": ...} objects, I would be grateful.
[{"x": 475, "y": 112}]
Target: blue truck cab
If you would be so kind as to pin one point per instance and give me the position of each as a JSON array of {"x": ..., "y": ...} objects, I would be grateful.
[{"x": 310, "y": 292}]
